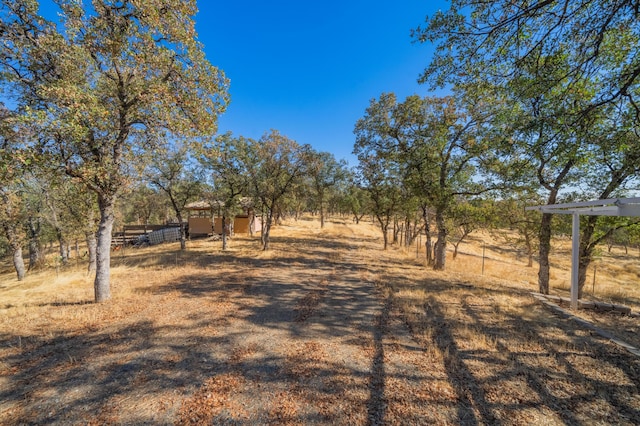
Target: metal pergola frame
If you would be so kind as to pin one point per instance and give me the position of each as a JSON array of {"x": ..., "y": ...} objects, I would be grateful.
[{"x": 628, "y": 207}]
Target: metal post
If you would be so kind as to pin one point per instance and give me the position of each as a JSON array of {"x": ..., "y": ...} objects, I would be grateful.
[{"x": 575, "y": 259}]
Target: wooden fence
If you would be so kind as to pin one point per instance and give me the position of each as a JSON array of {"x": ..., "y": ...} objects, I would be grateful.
[{"x": 131, "y": 233}]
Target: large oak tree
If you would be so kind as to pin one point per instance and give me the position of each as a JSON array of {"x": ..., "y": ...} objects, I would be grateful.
[
  {"x": 105, "y": 83},
  {"x": 564, "y": 65}
]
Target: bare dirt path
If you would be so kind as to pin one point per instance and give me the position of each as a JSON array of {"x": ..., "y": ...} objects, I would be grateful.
[
  {"x": 324, "y": 329},
  {"x": 317, "y": 346}
]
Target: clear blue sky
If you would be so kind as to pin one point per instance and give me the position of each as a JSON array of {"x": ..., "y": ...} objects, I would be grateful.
[{"x": 309, "y": 69}]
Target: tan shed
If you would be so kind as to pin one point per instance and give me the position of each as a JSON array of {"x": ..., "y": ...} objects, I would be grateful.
[
  {"x": 201, "y": 222},
  {"x": 200, "y": 226}
]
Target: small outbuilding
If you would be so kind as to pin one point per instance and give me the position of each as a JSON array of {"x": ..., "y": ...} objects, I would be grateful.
[
  {"x": 205, "y": 219},
  {"x": 200, "y": 219}
]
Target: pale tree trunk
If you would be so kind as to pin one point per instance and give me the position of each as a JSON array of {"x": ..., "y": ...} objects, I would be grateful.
[
  {"x": 102, "y": 285},
  {"x": 90, "y": 238},
  {"x": 64, "y": 248},
  {"x": 440, "y": 248},
  {"x": 18, "y": 263},
  {"x": 16, "y": 247}
]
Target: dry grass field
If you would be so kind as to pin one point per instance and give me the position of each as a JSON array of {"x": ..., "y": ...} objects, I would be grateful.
[{"x": 326, "y": 328}]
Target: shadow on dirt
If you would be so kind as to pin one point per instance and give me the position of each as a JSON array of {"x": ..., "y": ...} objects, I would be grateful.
[{"x": 86, "y": 375}]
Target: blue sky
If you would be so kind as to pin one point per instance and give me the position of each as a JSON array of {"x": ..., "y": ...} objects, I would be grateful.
[{"x": 309, "y": 69}]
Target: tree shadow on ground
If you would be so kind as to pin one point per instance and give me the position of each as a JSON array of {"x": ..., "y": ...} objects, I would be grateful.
[
  {"x": 520, "y": 364},
  {"x": 337, "y": 358}
]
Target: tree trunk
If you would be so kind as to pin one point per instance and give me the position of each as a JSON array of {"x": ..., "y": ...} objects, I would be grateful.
[
  {"x": 529, "y": 246},
  {"x": 263, "y": 224},
  {"x": 90, "y": 238},
  {"x": 224, "y": 231},
  {"x": 384, "y": 226},
  {"x": 441, "y": 243},
  {"x": 63, "y": 244},
  {"x": 18, "y": 262},
  {"x": 266, "y": 229},
  {"x": 396, "y": 230},
  {"x": 37, "y": 258},
  {"x": 183, "y": 231},
  {"x": 385, "y": 233},
  {"x": 16, "y": 246},
  {"x": 321, "y": 214},
  {"x": 102, "y": 285},
  {"x": 586, "y": 252},
  {"x": 428, "y": 246},
  {"x": 544, "y": 251}
]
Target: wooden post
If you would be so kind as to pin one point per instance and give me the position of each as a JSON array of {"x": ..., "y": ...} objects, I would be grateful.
[{"x": 484, "y": 246}]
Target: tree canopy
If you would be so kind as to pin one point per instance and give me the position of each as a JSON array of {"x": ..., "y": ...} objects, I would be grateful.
[{"x": 106, "y": 83}]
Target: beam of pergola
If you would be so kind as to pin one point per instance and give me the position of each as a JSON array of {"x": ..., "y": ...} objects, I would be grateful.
[{"x": 629, "y": 207}]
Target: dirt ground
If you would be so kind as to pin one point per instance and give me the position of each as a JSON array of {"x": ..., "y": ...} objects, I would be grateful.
[{"x": 326, "y": 328}]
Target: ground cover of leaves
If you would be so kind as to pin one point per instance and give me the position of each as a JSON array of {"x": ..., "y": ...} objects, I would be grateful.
[{"x": 325, "y": 328}]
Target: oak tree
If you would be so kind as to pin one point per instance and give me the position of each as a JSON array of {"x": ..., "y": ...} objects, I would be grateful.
[{"x": 106, "y": 83}]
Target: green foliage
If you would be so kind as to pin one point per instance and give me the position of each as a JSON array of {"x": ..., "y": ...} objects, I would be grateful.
[
  {"x": 325, "y": 173},
  {"x": 427, "y": 148},
  {"x": 106, "y": 84},
  {"x": 171, "y": 171},
  {"x": 495, "y": 41},
  {"x": 565, "y": 75}
]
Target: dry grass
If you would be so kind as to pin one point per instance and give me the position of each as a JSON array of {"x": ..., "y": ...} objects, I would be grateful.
[{"x": 324, "y": 329}]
